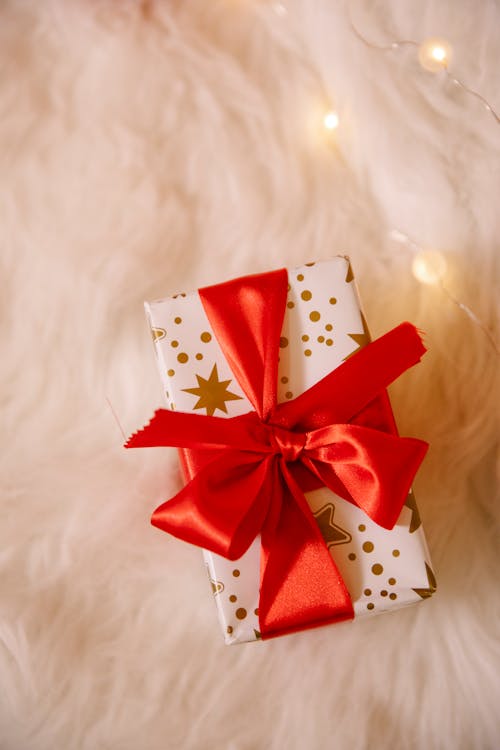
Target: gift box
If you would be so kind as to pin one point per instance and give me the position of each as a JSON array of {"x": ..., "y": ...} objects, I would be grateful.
[{"x": 201, "y": 354}]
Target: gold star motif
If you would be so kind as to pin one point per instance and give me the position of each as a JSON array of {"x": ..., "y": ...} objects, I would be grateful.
[
  {"x": 331, "y": 533},
  {"x": 349, "y": 275},
  {"x": 411, "y": 503},
  {"x": 361, "y": 339},
  {"x": 217, "y": 586},
  {"x": 212, "y": 393},
  {"x": 431, "y": 580},
  {"x": 158, "y": 333}
]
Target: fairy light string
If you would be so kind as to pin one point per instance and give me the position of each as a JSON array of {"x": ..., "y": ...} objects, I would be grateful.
[
  {"x": 429, "y": 267},
  {"x": 434, "y": 55}
]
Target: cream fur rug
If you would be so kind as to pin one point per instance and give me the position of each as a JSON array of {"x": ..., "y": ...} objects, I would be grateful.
[{"x": 156, "y": 147}]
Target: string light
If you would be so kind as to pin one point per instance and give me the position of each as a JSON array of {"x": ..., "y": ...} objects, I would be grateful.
[
  {"x": 434, "y": 54},
  {"x": 429, "y": 266},
  {"x": 331, "y": 120}
]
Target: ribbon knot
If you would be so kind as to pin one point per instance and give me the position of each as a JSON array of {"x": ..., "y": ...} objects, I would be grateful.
[{"x": 287, "y": 443}]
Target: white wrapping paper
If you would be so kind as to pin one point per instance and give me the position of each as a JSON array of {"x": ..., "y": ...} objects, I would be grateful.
[{"x": 323, "y": 325}]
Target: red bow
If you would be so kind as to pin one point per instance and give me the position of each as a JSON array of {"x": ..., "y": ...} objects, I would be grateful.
[{"x": 339, "y": 433}]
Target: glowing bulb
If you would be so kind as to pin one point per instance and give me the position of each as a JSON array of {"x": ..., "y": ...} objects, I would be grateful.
[
  {"x": 434, "y": 54},
  {"x": 429, "y": 266},
  {"x": 438, "y": 53},
  {"x": 331, "y": 120}
]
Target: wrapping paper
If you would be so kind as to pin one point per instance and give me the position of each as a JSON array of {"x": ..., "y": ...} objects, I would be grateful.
[{"x": 323, "y": 326}]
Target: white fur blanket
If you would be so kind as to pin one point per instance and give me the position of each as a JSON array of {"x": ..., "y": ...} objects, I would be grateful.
[{"x": 152, "y": 147}]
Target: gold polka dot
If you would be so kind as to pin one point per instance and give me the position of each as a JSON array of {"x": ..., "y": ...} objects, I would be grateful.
[
  {"x": 288, "y": 287},
  {"x": 182, "y": 358},
  {"x": 306, "y": 295},
  {"x": 328, "y": 342},
  {"x": 236, "y": 573},
  {"x": 310, "y": 264},
  {"x": 395, "y": 553},
  {"x": 377, "y": 569},
  {"x": 370, "y": 605},
  {"x": 351, "y": 556},
  {"x": 307, "y": 352},
  {"x": 321, "y": 339},
  {"x": 383, "y": 592},
  {"x": 229, "y": 629},
  {"x": 283, "y": 342},
  {"x": 183, "y": 294},
  {"x": 328, "y": 327},
  {"x": 288, "y": 394},
  {"x": 177, "y": 320},
  {"x": 290, "y": 305},
  {"x": 367, "y": 592},
  {"x": 233, "y": 598},
  {"x": 172, "y": 406},
  {"x": 368, "y": 547},
  {"x": 362, "y": 527},
  {"x": 300, "y": 277},
  {"x": 167, "y": 394},
  {"x": 256, "y": 611},
  {"x": 241, "y": 613},
  {"x": 393, "y": 596},
  {"x": 314, "y": 316},
  {"x": 170, "y": 373},
  {"x": 284, "y": 379},
  {"x": 174, "y": 343},
  {"x": 305, "y": 337},
  {"x": 199, "y": 356},
  {"x": 206, "y": 337},
  {"x": 391, "y": 581},
  {"x": 333, "y": 300}
]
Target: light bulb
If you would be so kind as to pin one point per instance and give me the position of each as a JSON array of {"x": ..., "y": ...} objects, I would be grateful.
[
  {"x": 438, "y": 54},
  {"x": 434, "y": 54},
  {"x": 429, "y": 266},
  {"x": 331, "y": 120}
]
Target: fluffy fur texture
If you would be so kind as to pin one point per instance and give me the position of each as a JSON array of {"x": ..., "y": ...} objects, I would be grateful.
[{"x": 153, "y": 147}]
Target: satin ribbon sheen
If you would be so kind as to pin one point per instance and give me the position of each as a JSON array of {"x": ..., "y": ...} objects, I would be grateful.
[{"x": 255, "y": 468}]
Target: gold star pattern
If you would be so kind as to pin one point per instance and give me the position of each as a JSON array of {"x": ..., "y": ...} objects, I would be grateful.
[
  {"x": 158, "y": 333},
  {"x": 411, "y": 503},
  {"x": 212, "y": 393},
  {"x": 431, "y": 580},
  {"x": 331, "y": 533},
  {"x": 217, "y": 586},
  {"x": 361, "y": 339}
]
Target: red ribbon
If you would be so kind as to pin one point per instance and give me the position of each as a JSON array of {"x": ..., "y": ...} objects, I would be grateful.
[{"x": 249, "y": 472}]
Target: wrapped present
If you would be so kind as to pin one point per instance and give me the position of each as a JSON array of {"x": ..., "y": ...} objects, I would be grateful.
[{"x": 298, "y": 485}]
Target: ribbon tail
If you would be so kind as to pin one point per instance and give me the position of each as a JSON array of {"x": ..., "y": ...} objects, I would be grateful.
[
  {"x": 301, "y": 587},
  {"x": 342, "y": 394},
  {"x": 177, "y": 429}
]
